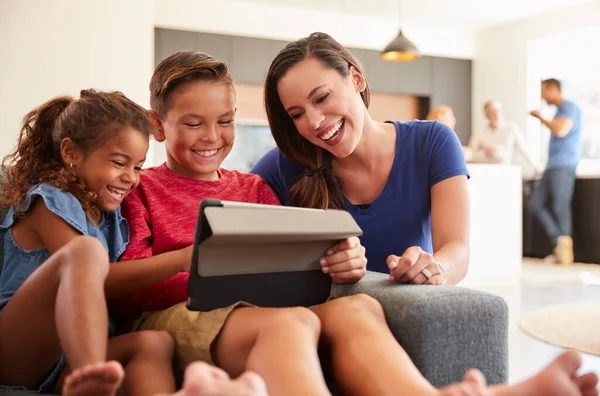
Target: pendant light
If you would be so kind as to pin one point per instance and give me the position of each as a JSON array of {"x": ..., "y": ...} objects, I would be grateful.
[{"x": 401, "y": 48}]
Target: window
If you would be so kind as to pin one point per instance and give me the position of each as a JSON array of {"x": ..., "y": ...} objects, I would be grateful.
[
  {"x": 252, "y": 141},
  {"x": 574, "y": 58}
]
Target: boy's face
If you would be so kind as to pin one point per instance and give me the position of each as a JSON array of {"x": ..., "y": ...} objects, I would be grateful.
[{"x": 198, "y": 129}]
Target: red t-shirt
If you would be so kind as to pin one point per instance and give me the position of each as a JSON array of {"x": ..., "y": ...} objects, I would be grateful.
[{"x": 162, "y": 215}]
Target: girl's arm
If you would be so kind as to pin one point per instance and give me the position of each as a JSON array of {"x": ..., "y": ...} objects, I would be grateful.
[{"x": 123, "y": 278}]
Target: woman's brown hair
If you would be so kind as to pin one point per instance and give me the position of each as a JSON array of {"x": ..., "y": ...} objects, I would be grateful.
[
  {"x": 183, "y": 68},
  {"x": 88, "y": 121},
  {"x": 318, "y": 188}
]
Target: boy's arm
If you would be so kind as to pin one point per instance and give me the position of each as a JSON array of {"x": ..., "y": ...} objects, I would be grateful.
[
  {"x": 127, "y": 277},
  {"x": 267, "y": 195},
  {"x": 138, "y": 268}
]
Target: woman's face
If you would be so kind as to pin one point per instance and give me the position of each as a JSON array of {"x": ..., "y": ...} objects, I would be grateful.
[{"x": 325, "y": 106}]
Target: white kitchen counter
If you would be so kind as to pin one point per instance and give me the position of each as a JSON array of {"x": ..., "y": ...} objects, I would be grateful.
[{"x": 496, "y": 225}]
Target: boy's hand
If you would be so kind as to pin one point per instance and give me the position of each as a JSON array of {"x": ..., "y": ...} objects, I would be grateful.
[
  {"x": 185, "y": 258},
  {"x": 345, "y": 261}
]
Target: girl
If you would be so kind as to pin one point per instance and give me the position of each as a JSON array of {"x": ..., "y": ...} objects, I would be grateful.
[{"x": 74, "y": 163}]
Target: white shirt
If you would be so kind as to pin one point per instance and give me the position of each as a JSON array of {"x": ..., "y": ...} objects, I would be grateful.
[{"x": 501, "y": 143}]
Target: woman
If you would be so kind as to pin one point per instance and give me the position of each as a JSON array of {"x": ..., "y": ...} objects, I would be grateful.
[{"x": 404, "y": 183}]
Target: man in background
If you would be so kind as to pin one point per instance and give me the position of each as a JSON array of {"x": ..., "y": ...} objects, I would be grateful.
[
  {"x": 499, "y": 139},
  {"x": 551, "y": 199}
]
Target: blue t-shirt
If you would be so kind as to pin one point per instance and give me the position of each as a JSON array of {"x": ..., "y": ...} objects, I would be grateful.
[
  {"x": 400, "y": 217},
  {"x": 565, "y": 152}
]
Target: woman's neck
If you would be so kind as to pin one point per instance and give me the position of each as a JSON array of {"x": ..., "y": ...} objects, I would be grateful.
[{"x": 374, "y": 145}]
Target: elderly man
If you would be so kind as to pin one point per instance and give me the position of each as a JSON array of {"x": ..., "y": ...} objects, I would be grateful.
[
  {"x": 551, "y": 200},
  {"x": 499, "y": 139}
]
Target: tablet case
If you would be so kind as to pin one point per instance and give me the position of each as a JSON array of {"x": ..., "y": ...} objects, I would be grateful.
[{"x": 262, "y": 254}]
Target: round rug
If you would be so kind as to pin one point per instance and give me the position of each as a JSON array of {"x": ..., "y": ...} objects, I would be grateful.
[{"x": 574, "y": 326}]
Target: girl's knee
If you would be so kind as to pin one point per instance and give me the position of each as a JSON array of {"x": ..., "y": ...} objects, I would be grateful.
[
  {"x": 88, "y": 245},
  {"x": 155, "y": 344},
  {"x": 84, "y": 252}
]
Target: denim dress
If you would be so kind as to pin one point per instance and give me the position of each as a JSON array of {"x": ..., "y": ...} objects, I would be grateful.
[{"x": 20, "y": 263}]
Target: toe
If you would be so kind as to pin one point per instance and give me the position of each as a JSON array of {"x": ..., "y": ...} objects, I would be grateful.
[
  {"x": 588, "y": 384},
  {"x": 198, "y": 379},
  {"x": 569, "y": 361},
  {"x": 217, "y": 373},
  {"x": 475, "y": 377},
  {"x": 112, "y": 371},
  {"x": 198, "y": 370},
  {"x": 254, "y": 382}
]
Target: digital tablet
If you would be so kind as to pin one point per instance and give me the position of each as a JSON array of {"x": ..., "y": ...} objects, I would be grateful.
[{"x": 263, "y": 254}]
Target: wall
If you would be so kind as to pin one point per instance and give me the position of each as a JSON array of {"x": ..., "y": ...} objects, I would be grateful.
[
  {"x": 58, "y": 47},
  {"x": 250, "y": 105},
  {"x": 578, "y": 69},
  {"x": 61, "y": 46},
  {"x": 501, "y": 69},
  {"x": 441, "y": 80},
  {"x": 285, "y": 23}
]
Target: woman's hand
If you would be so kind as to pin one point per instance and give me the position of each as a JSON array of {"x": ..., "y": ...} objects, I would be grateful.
[
  {"x": 345, "y": 261},
  {"x": 416, "y": 267}
]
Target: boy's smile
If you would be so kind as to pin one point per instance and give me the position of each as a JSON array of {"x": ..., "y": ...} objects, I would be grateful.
[{"x": 198, "y": 129}]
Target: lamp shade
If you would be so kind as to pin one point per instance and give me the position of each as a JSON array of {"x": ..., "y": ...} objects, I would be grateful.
[{"x": 400, "y": 49}]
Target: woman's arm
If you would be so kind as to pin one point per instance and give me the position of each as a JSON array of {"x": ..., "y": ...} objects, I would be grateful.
[
  {"x": 449, "y": 214},
  {"x": 450, "y": 222}
]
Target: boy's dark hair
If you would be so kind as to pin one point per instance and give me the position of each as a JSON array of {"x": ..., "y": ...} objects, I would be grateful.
[{"x": 182, "y": 68}]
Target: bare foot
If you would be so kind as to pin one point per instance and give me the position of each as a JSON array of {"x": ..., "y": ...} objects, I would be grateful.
[
  {"x": 202, "y": 379},
  {"x": 102, "y": 379},
  {"x": 559, "y": 378},
  {"x": 473, "y": 385}
]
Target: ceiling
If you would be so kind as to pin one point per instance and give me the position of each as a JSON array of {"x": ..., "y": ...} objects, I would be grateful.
[{"x": 474, "y": 14}]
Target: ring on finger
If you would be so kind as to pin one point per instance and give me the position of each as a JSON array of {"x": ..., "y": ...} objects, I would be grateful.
[{"x": 427, "y": 273}]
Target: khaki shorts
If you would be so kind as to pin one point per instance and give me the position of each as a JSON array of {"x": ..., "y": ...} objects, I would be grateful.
[{"x": 193, "y": 331}]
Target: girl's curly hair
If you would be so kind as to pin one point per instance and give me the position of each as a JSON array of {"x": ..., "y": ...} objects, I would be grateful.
[{"x": 89, "y": 122}]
